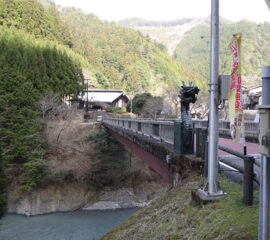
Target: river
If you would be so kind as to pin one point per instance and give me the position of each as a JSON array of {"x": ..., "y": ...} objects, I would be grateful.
[{"x": 77, "y": 225}]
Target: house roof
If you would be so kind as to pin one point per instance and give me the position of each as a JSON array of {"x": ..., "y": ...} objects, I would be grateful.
[{"x": 100, "y": 95}]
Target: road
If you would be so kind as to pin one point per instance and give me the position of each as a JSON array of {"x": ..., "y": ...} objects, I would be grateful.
[{"x": 252, "y": 148}]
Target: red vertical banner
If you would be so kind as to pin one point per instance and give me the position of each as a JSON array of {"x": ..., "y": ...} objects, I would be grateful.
[{"x": 235, "y": 94}]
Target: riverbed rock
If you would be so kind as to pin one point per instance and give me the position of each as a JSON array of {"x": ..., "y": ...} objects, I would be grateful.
[
  {"x": 54, "y": 198},
  {"x": 118, "y": 198}
]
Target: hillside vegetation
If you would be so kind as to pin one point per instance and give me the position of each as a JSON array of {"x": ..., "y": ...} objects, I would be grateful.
[
  {"x": 28, "y": 70},
  {"x": 43, "y": 51},
  {"x": 188, "y": 40},
  {"x": 194, "y": 49},
  {"x": 174, "y": 216},
  {"x": 121, "y": 57},
  {"x": 33, "y": 18},
  {"x": 34, "y": 62},
  {"x": 169, "y": 34}
]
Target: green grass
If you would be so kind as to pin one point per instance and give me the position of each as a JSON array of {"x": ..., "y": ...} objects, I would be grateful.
[{"x": 175, "y": 216}]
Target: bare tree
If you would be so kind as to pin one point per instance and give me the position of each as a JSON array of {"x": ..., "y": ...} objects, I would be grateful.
[
  {"x": 153, "y": 107},
  {"x": 48, "y": 103},
  {"x": 201, "y": 107},
  {"x": 172, "y": 95},
  {"x": 54, "y": 109}
]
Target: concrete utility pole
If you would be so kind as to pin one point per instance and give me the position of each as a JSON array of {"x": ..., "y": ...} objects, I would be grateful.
[
  {"x": 264, "y": 149},
  {"x": 87, "y": 115},
  {"x": 211, "y": 190},
  {"x": 213, "y": 116},
  {"x": 131, "y": 95}
]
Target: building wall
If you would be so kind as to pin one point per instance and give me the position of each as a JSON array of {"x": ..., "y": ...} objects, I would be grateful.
[{"x": 119, "y": 103}]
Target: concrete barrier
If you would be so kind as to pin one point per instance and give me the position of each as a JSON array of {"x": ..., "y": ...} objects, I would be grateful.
[{"x": 164, "y": 128}]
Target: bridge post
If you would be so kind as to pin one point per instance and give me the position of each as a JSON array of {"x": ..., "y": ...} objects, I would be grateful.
[
  {"x": 180, "y": 145},
  {"x": 205, "y": 170},
  {"x": 248, "y": 180},
  {"x": 201, "y": 138}
]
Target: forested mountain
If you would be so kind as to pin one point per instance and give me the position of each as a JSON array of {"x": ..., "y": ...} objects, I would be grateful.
[
  {"x": 194, "y": 49},
  {"x": 33, "y": 18},
  {"x": 188, "y": 40},
  {"x": 32, "y": 63},
  {"x": 167, "y": 33},
  {"x": 43, "y": 50},
  {"x": 121, "y": 57}
]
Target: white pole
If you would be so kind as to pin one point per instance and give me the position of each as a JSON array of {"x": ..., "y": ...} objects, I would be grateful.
[
  {"x": 265, "y": 198},
  {"x": 213, "y": 116},
  {"x": 265, "y": 166},
  {"x": 131, "y": 104}
]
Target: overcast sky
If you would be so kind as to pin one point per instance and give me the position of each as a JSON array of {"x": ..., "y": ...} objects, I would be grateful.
[{"x": 113, "y": 10}]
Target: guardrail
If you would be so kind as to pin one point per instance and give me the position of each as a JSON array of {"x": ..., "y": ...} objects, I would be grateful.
[
  {"x": 164, "y": 128},
  {"x": 248, "y": 173}
]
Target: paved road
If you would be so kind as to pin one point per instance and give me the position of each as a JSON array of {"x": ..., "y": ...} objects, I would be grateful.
[{"x": 252, "y": 148}]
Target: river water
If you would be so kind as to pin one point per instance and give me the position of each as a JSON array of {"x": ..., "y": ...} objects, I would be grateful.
[{"x": 78, "y": 225}]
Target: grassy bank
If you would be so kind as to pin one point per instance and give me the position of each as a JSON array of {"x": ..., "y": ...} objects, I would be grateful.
[{"x": 175, "y": 216}]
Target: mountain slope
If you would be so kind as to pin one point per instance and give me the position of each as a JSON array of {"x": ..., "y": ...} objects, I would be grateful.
[
  {"x": 188, "y": 40},
  {"x": 122, "y": 57},
  {"x": 168, "y": 33},
  {"x": 33, "y": 64},
  {"x": 43, "y": 51},
  {"x": 194, "y": 49},
  {"x": 33, "y": 18}
]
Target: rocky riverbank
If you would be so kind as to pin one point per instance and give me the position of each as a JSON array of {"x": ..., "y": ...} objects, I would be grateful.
[
  {"x": 81, "y": 175},
  {"x": 70, "y": 197}
]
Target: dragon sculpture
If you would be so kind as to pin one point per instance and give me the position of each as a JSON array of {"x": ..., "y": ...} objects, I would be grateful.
[{"x": 187, "y": 95}]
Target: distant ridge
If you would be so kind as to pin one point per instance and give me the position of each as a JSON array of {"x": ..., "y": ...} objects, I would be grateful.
[
  {"x": 140, "y": 22},
  {"x": 168, "y": 33}
]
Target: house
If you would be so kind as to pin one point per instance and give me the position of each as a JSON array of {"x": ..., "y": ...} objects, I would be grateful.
[
  {"x": 251, "y": 97},
  {"x": 103, "y": 98}
]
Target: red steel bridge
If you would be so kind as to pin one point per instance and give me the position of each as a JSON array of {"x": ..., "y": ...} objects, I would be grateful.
[{"x": 154, "y": 140}]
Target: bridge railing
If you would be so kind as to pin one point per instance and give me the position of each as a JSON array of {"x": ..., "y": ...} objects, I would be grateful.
[
  {"x": 164, "y": 128},
  {"x": 251, "y": 128}
]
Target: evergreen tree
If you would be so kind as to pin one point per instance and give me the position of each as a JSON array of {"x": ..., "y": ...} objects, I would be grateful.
[
  {"x": 29, "y": 69},
  {"x": 3, "y": 187}
]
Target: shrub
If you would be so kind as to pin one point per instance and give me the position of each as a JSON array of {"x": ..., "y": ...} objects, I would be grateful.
[
  {"x": 138, "y": 102},
  {"x": 116, "y": 109},
  {"x": 112, "y": 164},
  {"x": 33, "y": 174}
]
